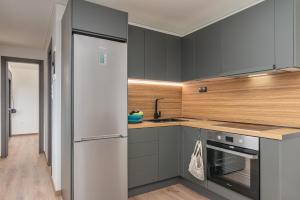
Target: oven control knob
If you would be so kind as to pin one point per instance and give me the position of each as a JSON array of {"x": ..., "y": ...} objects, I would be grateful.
[
  {"x": 219, "y": 137},
  {"x": 241, "y": 141}
]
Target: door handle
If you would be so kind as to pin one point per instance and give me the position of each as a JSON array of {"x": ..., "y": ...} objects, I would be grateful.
[{"x": 244, "y": 155}]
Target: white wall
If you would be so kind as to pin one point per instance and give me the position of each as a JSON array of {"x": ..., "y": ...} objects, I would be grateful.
[
  {"x": 55, "y": 34},
  {"x": 25, "y": 98}
]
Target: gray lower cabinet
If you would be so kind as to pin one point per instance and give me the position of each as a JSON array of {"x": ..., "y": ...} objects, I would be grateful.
[
  {"x": 189, "y": 138},
  {"x": 153, "y": 155},
  {"x": 169, "y": 152},
  {"x": 136, "y": 52},
  {"x": 280, "y": 166},
  {"x": 247, "y": 40},
  {"x": 142, "y": 156}
]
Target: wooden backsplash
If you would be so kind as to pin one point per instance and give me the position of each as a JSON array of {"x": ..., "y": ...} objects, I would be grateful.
[
  {"x": 142, "y": 97},
  {"x": 272, "y": 100}
]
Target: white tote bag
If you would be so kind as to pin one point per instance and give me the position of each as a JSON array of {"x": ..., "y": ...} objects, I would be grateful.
[{"x": 196, "y": 167}]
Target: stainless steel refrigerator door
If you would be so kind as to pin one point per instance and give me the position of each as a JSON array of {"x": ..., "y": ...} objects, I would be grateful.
[
  {"x": 100, "y": 170},
  {"x": 100, "y": 88}
]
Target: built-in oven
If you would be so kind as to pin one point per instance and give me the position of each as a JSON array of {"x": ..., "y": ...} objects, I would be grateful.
[{"x": 233, "y": 162}]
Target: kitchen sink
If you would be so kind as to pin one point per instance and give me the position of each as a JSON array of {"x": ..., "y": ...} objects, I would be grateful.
[{"x": 166, "y": 120}]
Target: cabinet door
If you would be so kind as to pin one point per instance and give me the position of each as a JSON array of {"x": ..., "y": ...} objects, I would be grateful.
[
  {"x": 208, "y": 51},
  {"x": 136, "y": 52},
  {"x": 156, "y": 50},
  {"x": 168, "y": 152},
  {"x": 284, "y": 33},
  {"x": 188, "y": 66},
  {"x": 173, "y": 58},
  {"x": 142, "y": 156},
  {"x": 247, "y": 40},
  {"x": 189, "y": 138}
]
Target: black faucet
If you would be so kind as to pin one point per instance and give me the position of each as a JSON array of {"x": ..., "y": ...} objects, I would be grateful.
[{"x": 157, "y": 113}]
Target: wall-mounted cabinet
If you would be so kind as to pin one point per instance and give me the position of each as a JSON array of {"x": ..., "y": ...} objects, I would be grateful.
[
  {"x": 260, "y": 38},
  {"x": 247, "y": 40},
  {"x": 136, "y": 52},
  {"x": 208, "y": 51},
  {"x": 153, "y": 55},
  {"x": 188, "y": 66},
  {"x": 156, "y": 55},
  {"x": 287, "y": 29}
]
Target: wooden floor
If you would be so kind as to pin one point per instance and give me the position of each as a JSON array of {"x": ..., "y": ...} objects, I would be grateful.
[
  {"x": 24, "y": 174},
  {"x": 175, "y": 192}
]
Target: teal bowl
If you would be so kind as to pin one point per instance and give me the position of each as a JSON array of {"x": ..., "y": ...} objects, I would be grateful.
[{"x": 132, "y": 119}]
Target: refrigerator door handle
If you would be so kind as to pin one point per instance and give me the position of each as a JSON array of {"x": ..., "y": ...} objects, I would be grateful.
[{"x": 101, "y": 137}]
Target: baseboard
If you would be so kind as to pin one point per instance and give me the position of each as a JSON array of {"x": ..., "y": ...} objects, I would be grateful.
[
  {"x": 200, "y": 189},
  {"x": 152, "y": 186},
  {"x": 56, "y": 192}
]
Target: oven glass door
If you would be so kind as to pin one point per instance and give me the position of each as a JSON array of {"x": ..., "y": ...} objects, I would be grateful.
[{"x": 235, "y": 170}]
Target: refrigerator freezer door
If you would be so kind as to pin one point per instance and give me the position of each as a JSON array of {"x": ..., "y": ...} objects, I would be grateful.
[
  {"x": 100, "y": 170},
  {"x": 100, "y": 88}
]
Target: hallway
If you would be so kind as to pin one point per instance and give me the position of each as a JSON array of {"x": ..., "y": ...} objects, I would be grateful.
[{"x": 24, "y": 175}]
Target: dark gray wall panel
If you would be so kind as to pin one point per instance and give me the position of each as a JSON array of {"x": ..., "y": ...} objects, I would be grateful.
[{"x": 98, "y": 19}]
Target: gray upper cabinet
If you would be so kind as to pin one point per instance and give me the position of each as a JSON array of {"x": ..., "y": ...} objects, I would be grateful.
[
  {"x": 136, "y": 52},
  {"x": 208, "y": 51},
  {"x": 188, "y": 66},
  {"x": 247, "y": 40},
  {"x": 153, "y": 55},
  {"x": 95, "y": 19},
  {"x": 156, "y": 52},
  {"x": 173, "y": 58},
  {"x": 284, "y": 33},
  {"x": 169, "y": 152}
]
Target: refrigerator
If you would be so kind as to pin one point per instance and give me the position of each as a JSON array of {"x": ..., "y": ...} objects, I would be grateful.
[{"x": 99, "y": 119}]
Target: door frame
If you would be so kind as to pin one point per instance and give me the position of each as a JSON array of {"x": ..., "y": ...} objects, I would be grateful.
[
  {"x": 5, "y": 99},
  {"x": 49, "y": 135}
]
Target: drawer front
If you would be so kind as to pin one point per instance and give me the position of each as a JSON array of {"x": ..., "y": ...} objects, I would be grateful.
[
  {"x": 142, "y": 135},
  {"x": 141, "y": 149},
  {"x": 142, "y": 171}
]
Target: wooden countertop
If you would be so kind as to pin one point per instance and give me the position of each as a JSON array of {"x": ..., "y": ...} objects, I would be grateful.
[{"x": 276, "y": 133}]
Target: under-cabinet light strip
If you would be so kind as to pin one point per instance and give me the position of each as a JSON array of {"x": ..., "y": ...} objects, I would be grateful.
[{"x": 150, "y": 82}]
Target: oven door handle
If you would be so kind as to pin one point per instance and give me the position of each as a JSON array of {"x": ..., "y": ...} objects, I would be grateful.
[{"x": 245, "y": 155}]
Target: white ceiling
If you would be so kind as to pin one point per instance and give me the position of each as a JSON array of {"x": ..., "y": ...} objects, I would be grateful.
[
  {"x": 178, "y": 17},
  {"x": 25, "y": 22}
]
